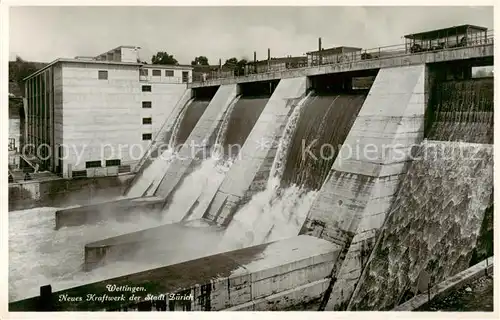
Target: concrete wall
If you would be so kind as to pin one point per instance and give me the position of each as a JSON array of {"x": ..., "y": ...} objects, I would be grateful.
[
  {"x": 101, "y": 115},
  {"x": 355, "y": 198},
  {"x": 65, "y": 192},
  {"x": 129, "y": 55},
  {"x": 224, "y": 280},
  {"x": 255, "y": 159},
  {"x": 202, "y": 132},
  {"x": 58, "y": 115},
  {"x": 293, "y": 299},
  {"x": 481, "y": 51}
]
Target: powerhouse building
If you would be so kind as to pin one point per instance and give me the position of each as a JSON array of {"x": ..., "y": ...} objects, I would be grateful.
[{"x": 92, "y": 116}]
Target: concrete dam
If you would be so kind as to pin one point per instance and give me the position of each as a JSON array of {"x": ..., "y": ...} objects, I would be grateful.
[{"x": 298, "y": 191}]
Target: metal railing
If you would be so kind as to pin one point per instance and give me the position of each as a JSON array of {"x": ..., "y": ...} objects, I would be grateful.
[
  {"x": 162, "y": 79},
  {"x": 378, "y": 53}
]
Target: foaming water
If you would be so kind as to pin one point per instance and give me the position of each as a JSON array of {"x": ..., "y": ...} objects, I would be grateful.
[
  {"x": 274, "y": 213},
  {"x": 196, "y": 190},
  {"x": 280, "y": 210},
  {"x": 433, "y": 224},
  {"x": 40, "y": 255},
  {"x": 271, "y": 215},
  {"x": 279, "y": 162},
  {"x": 157, "y": 165},
  {"x": 152, "y": 175}
]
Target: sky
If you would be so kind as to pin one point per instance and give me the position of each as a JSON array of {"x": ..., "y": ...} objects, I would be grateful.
[{"x": 46, "y": 33}]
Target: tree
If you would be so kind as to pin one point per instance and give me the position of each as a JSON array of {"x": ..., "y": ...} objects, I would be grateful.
[
  {"x": 241, "y": 67},
  {"x": 231, "y": 63},
  {"x": 238, "y": 67},
  {"x": 200, "y": 61},
  {"x": 164, "y": 58},
  {"x": 20, "y": 69}
]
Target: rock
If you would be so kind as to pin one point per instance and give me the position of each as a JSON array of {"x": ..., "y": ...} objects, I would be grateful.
[{"x": 468, "y": 289}]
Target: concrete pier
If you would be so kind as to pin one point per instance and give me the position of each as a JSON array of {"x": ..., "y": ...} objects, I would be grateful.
[
  {"x": 355, "y": 198},
  {"x": 204, "y": 130},
  {"x": 119, "y": 210},
  {"x": 251, "y": 169},
  {"x": 171, "y": 242}
]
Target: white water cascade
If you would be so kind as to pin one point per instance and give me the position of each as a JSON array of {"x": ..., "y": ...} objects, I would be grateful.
[
  {"x": 274, "y": 213},
  {"x": 198, "y": 188}
]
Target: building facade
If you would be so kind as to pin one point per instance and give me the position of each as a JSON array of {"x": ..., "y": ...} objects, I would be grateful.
[
  {"x": 93, "y": 117},
  {"x": 275, "y": 64},
  {"x": 333, "y": 55}
]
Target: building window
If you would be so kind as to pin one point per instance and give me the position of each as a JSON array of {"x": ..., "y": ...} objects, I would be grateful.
[
  {"x": 12, "y": 144},
  {"x": 146, "y": 104},
  {"x": 103, "y": 75},
  {"x": 185, "y": 76},
  {"x": 143, "y": 72},
  {"x": 113, "y": 162},
  {"x": 147, "y": 120},
  {"x": 92, "y": 164},
  {"x": 147, "y": 136},
  {"x": 146, "y": 88},
  {"x": 156, "y": 73},
  {"x": 169, "y": 73}
]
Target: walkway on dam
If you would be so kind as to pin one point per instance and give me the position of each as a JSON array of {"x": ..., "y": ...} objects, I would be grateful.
[{"x": 383, "y": 57}]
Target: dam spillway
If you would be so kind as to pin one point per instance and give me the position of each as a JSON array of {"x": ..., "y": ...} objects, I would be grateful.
[
  {"x": 280, "y": 209},
  {"x": 190, "y": 118},
  {"x": 275, "y": 195},
  {"x": 462, "y": 111},
  {"x": 195, "y": 191},
  {"x": 323, "y": 126},
  {"x": 245, "y": 114},
  {"x": 157, "y": 163}
]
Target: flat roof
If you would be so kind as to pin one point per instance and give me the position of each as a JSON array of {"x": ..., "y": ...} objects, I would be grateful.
[
  {"x": 119, "y": 47},
  {"x": 336, "y": 49},
  {"x": 433, "y": 34},
  {"x": 167, "y": 66},
  {"x": 66, "y": 60}
]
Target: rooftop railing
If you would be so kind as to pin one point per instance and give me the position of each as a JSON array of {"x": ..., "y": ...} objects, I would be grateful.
[
  {"x": 162, "y": 79},
  {"x": 378, "y": 53}
]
